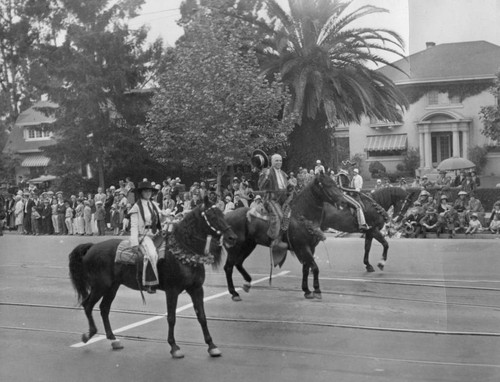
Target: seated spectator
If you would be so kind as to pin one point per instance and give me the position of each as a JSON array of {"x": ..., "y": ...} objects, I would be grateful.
[
  {"x": 495, "y": 211},
  {"x": 229, "y": 204},
  {"x": 378, "y": 185},
  {"x": 475, "y": 206},
  {"x": 475, "y": 225},
  {"x": 450, "y": 222},
  {"x": 430, "y": 222},
  {"x": 238, "y": 203},
  {"x": 411, "y": 222},
  {"x": 443, "y": 206},
  {"x": 416, "y": 183},
  {"x": 426, "y": 183},
  {"x": 443, "y": 180},
  {"x": 461, "y": 205},
  {"x": 495, "y": 224},
  {"x": 403, "y": 184}
]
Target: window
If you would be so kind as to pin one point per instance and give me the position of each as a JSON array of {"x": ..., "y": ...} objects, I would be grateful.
[
  {"x": 38, "y": 133},
  {"x": 455, "y": 99},
  {"x": 386, "y": 153},
  {"x": 433, "y": 97}
]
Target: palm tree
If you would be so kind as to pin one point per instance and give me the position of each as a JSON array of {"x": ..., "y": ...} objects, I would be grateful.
[{"x": 323, "y": 60}]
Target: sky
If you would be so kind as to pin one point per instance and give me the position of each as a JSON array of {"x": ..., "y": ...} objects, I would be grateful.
[{"x": 417, "y": 21}]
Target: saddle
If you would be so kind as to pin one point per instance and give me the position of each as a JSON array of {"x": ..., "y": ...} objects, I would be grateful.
[{"x": 126, "y": 254}]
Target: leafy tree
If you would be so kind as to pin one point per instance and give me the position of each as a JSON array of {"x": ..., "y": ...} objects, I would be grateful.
[
  {"x": 322, "y": 59},
  {"x": 100, "y": 61},
  {"x": 213, "y": 108},
  {"x": 490, "y": 115}
]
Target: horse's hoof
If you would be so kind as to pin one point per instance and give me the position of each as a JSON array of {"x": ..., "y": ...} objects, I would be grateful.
[
  {"x": 381, "y": 266},
  {"x": 236, "y": 298},
  {"x": 309, "y": 295},
  {"x": 246, "y": 288},
  {"x": 85, "y": 338},
  {"x": 317, "y": 295},
  {"x": 214, "y": 352},
  {"x": 116, "y": 345},
  {"x": 177, "y": 354},
  {"x": 369, "y": 268}
]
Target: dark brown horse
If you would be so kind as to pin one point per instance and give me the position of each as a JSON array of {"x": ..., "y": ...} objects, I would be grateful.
[
  {"x": 95, "y": 274},
  {"x": 303, "y": 234},
  {"x": 345, "y": 221}
]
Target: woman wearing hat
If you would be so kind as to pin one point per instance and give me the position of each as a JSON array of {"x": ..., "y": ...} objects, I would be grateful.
[
  {"x": 144, "y": 226},
  {"x": 430, "y": 222},
  {"x": 475, "y": 225},
  {"x": 19, "y": 213}
]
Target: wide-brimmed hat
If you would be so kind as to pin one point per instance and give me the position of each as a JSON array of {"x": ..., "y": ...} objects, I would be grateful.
[
  {"x": 474, "y": 215},
  {"x": 356, "y": 171},
  {"x": 431, "y": 210},
  {"x": 145, "y": 185},
  {"x": 444, "y": 197},
  {"x": 424, "y": 193},
  {"x": 463, "y": 193},
  {"x": 259, "y": 159}
]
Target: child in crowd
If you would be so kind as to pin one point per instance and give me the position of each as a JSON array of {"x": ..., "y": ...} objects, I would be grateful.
[
  {"x": 87, "y": 217},
  {"x": 100, "y": 217},
  {"x": 495, "y": 224},
  {"x": 474, "y": 225},
  {"x": 55, "y": 217},
  {"x": 115, "y": 219},
  {"x": 69, "y": 218}
]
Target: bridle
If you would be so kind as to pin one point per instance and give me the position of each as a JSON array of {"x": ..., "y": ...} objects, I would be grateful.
[
  {"x": 218, "y": 232},
  {"x": 401, "y": 211}
]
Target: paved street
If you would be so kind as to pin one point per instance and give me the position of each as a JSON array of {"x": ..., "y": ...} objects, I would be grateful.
[{"x": 433, "y": 314}]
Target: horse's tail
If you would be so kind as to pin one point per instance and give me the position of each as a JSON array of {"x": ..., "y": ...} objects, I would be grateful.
[{"x": 77, "y": 272}]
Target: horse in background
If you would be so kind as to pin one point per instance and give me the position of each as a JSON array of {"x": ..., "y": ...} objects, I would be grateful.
[
  {"x": 95, "y": 274},
  {"x": 302, "y": 236},
  {"x": 375, "y": 207}
]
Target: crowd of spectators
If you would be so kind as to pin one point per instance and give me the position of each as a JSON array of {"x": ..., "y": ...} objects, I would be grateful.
[{"x": 31, "y": 212}]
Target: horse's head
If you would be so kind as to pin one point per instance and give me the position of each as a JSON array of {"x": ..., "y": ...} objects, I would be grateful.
[
  {"x": 216, "y": 224},
  {"x": 326, "y": 189},
  {"x": 401, "y": 206}
]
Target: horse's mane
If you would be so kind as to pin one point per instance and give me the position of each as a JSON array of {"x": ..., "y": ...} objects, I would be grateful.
[
  {"x": 383, "y": 196},
  {"x": 188, "y": 234}
]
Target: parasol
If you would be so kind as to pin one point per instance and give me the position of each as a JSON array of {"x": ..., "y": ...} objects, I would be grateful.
[{"x": 455, "y": 163}]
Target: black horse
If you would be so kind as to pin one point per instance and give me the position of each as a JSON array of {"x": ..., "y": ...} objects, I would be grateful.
[
  {"x": 343, "y": 220},
  {"x": 303, "y": 234},
  {"x": 95, "y": 274}
]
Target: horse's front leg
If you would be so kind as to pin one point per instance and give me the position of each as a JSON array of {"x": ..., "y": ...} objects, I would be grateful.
[
  {"x": 197, "y": 298},
  {"x": 105, "y": 307},
  {"x": 377, "y": 235},
  {"x": 368, "y": 245},
  {"x": 246, "y": 276},
  {"x": 228, "y": 270},
  {"x": 172, "y": 297},
  {"x": 315, "y": 272},
  {"x": 305, "y": 276}
]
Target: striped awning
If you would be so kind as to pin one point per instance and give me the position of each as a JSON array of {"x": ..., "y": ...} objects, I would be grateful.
[
  {"x": 386, "y": 142},
  {"x": 35, "y": 161}
]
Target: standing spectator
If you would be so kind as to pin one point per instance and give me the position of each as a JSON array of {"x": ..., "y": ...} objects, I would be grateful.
[
  {"x": 100, "y": 196},
  {"x": 475, "y": 179},
  {"x": 158, "y": 196},
  {"x": 11, "y": 216},
  {"x": 115, "y": 219},
  {"x": 130, "y": 188},
  {"x": 80, "y": 222},
  {"x": 187, "y": 203},
  {"x": 443, "y": 180},
  {"x": 475, "y": 225},
  {"x": 19, "y": 214},
  {"x": 107, "y": 205},
  {"x": 292, "y": 180},
  {"x": 61, "y": 215},
  {"x": 46, "y": 217},
  {"x": 55, "y": 217},
  {"x": 100, "y": 217},
  {"x": 244, "y": 193},
  {"x": 35, "y": 215},
  {"x": 69, "y": 218},
  {"x": 168, "y": 202},
  {"x": 87, "y": 217},
  {"x": 257, "y": 206},
  {"x": 28, "y": 207},
  {"x": 468, "y": 185},
  {"x": 179, "y": 205},
  {"x": 319, "y": 168},
  {"x": 357, "y": 181},
  {"x": 459, "y": 179}
]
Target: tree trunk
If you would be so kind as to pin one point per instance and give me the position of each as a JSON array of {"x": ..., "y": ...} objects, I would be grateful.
[{"x": 308, "y": 143}]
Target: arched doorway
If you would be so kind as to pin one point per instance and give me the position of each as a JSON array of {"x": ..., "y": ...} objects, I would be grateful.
[{"x": 442, "y": 134}]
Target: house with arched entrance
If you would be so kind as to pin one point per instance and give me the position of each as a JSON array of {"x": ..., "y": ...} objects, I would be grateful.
[{"x": 446, "y": 86}]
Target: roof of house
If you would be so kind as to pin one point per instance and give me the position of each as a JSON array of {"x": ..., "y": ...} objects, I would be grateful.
[
  {"x": 35, "y": 116},
  {"x": 472, "y": 60},
  {"x": 29, "y": 117}
]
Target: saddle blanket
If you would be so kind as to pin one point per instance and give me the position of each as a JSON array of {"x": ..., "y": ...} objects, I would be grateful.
[{"x": 125, "y": 254}]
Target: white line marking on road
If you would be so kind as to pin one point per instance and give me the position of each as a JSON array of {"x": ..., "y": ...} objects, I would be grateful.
[{"x": 101, "y": 337}]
